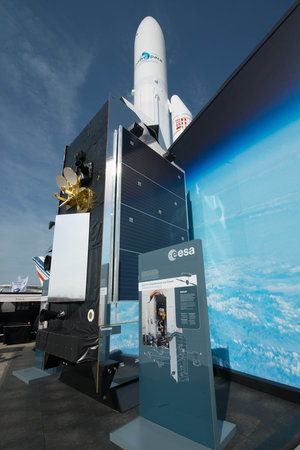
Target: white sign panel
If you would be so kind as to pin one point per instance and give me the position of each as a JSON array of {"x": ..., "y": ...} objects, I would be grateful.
[{"x": 69, "y": 258}]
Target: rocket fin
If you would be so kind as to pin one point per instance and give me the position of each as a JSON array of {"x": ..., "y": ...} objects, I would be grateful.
[
  {"x": 144, "y": 118},
  {"x": 150, "y": 131}
]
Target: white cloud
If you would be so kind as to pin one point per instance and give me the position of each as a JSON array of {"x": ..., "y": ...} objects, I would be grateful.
[
  {"x": 284, "y": 288},
  {"x": 295, "y": 369},
  {"x": 125, "y": 342},
  {"x": 128, "y": 311},
  {"x": 25, "y": 236},
  {"x": 271, "y": 206},
  {"x": 234, "y": 306},
  {"x": 285, "y": 326},
  {"x": 42, "y": 70},
  {"x": 286, "y": 362}
]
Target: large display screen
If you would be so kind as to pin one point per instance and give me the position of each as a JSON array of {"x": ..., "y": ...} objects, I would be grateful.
[{"x": 241, "y": 155}]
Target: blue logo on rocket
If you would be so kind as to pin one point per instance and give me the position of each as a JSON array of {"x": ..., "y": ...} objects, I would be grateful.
[{"x": 144, "y": 56}]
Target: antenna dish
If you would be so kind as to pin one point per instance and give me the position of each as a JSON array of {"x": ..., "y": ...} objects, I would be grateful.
[
  {"x": 61, "y": 181},
  {"x": 70, "y": 175}
]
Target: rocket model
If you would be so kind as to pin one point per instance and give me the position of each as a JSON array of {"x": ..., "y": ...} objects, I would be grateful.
[
  {"x": 150, "y": 91},
  {"x": 150, "y": 76}
]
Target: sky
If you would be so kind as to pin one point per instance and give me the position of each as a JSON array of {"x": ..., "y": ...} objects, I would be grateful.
[{"x": 59, "y": 61}]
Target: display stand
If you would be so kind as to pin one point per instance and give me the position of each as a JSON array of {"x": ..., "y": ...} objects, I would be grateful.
[
  {"x": 36, "y": 373},
  {"x": 31, "y": 374},
  {"x": 143, "y": 434},
  {"x": 177, "y": 394}
]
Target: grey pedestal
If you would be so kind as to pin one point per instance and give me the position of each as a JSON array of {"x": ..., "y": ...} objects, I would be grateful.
[
  {"x": 142, "y": 434},
  {"x": 31, "y": 374}
]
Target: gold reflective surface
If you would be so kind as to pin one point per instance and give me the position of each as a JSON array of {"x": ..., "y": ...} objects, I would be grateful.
[{"x": 81, "y": 197}]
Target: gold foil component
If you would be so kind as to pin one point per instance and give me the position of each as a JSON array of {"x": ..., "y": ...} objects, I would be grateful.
[{"x": 80, "y": 197}]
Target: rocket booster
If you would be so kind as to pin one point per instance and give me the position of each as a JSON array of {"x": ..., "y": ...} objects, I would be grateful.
[
  {"x": 181, "y": 116},
  {"x": 150, "y": 84}
]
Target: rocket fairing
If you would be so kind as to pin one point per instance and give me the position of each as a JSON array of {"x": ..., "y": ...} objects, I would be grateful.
[
  {"x": 150, "y": 91},
  {"x": 150, "y": 76}
]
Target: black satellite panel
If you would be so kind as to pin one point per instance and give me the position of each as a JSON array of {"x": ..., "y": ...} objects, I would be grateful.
[{"x": 152, "y": 208}]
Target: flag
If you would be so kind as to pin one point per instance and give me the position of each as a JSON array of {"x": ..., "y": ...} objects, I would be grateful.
[
  {"x": 181, "y": 123},
  {"x": 178, "y": 124},
  {"x": 20, "y": 285}
]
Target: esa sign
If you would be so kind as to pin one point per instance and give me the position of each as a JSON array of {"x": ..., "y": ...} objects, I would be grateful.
[{"x": 173, "y": 254}]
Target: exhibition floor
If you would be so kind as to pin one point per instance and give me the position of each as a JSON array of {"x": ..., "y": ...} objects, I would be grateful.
[{"x": 50, "y": 415}]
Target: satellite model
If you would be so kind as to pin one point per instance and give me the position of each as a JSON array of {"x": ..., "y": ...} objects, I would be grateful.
[{"x": 79, "y": 196}]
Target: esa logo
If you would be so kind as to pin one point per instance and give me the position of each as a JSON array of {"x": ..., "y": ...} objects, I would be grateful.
[{"x": 173, "y": 254}]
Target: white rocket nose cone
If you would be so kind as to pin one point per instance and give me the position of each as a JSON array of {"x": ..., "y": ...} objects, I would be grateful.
[
  {"x": 149, "y": 38},
  {"x": 178, "y": 106},
  {"x": 148, "y": 25}
]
